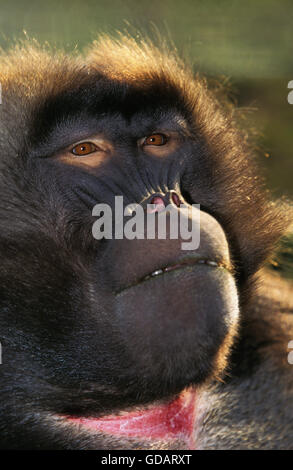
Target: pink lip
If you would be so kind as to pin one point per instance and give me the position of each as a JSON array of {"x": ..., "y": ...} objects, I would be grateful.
[{"x": 173, "y": 420}]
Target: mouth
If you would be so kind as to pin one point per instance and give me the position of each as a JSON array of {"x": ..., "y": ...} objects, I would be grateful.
[
  {"x": 174, "y": 420},
  {"x": 180, "y": 264}
]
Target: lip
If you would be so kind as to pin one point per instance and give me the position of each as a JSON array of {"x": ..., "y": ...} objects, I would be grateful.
[
  {"x": 181, "y": 264},
  {"x": 168, "y": 421}
]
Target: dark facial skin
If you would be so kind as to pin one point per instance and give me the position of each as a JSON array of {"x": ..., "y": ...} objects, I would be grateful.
[{"x": 85, "y": 331}]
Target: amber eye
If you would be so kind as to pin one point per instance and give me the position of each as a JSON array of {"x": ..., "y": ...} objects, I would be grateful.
[
  {"x": 85, "y": 148},
  {"x": 155, "y": 139}
]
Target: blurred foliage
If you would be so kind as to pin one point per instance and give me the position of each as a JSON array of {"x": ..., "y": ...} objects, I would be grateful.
[
  {"x": 242, "y": 39},
  {"x": 282, "y": 261}
]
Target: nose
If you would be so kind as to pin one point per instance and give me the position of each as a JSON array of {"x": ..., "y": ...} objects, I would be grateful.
[{"x": 159, "y": 201}]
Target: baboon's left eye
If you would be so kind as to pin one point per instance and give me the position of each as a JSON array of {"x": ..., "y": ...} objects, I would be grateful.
[
  {"x": 83, "y": 149},
  {"x": 155, "y": 139}
]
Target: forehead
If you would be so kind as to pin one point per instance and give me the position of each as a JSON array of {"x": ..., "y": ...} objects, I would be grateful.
[
  {"x": 103, "y": 104},
  {"x": 103, "y": 95}
]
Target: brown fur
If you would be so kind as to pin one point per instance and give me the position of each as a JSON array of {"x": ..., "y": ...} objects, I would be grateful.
[{"x": 252, "y": 407}]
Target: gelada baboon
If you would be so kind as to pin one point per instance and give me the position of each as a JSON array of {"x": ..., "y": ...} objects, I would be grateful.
[{"x": 134, "y": 344}]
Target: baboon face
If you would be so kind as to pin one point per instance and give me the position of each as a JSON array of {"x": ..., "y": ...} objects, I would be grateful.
[{"x": 99, "y": 335}]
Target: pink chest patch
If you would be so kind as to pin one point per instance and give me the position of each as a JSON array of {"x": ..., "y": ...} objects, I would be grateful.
[{"x": 173, "y": 420}]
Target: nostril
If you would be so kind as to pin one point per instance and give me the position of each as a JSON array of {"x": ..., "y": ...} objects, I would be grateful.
[
  {"x": 175, "y": 199},
  {"x": 157, "y": 203}
]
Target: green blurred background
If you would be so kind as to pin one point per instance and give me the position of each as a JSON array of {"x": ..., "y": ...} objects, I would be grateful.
[{"x": 250, "y": 42}]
